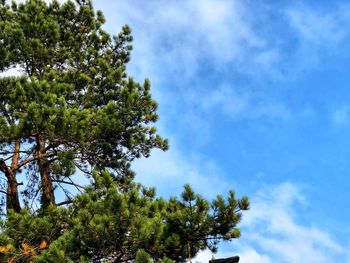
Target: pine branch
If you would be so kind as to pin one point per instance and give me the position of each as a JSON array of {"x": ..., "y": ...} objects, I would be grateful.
[
  {"x": 70, "y": 183},
  {"x": 34, "y": 158}
]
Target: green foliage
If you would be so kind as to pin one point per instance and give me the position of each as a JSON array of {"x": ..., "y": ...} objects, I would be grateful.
[
  {"x": 74, "y": 94},
  {"x": 142, "y": 257},
  {"x": 74, "y": 107},
  {"x": 75, "y": 88},
  {"x": 106, "y": 222}
]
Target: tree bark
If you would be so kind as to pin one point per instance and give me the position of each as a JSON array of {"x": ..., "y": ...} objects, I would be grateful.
[
  {"x": 12, "y": 198},
  {"x": 48, "y": 196}
]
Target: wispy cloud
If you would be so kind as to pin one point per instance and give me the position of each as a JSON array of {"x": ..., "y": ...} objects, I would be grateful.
[
  {"x": 180, "y": 35},
  {"x": 241, "y": 104},
  {"x": 272, "y": 232},
  {"x": 319, "y": 33},
  {"x": 320, "y": 28},
  {"x": 226, "y": 99},
  {"x": 274, "y": 229},
  {"x": 170, "y": 170}
]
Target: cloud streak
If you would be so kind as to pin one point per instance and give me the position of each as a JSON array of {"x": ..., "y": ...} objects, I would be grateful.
[
  {"x": 319, "y": 34},
  {"x": 241, "y": 105},
  {"x": 320, "y": 28},
  {"x": 273, "y": 228},
  {"x": 272, "y": 232},
  {"x": 170, "y": 170},
  {"x": 180, "y": 35}
]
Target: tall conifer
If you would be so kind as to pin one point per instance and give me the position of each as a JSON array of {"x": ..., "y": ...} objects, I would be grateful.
[{"x": 73, "y": 108}]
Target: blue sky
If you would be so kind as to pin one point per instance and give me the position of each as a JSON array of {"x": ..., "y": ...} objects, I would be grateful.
[{"x": 253, "y": 96}]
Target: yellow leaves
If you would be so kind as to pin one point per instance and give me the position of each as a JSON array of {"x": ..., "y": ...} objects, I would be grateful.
[
  {"x": 5, "y": 249},
  {"x": 26, "y": 247},
  {"x": 43, "y": 245},
  {"x": 25, "y": 252},
  {"x": 28, "y": 250}
]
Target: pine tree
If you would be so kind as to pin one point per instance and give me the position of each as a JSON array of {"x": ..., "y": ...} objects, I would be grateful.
[
  {"x": 107, "y": 223},
  {"x": 74, "y": 109},
  {"x": 73, "y": 105}
]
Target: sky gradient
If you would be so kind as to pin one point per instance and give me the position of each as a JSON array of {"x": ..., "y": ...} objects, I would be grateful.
[{"x": 253, "y": 96}]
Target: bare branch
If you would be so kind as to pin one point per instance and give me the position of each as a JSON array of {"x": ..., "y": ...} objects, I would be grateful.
[
  {"x": 3, "y": 166},
  {"x": 3, "y": 192},
  {"x": 12, "y": 152},
  {"x": 29, "y": 160},
  {"x": 70, "y": 183},
  {"x": 65, "y": 203}
]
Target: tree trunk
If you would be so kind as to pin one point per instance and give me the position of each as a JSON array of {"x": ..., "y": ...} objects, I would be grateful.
[
  {"x": 12, "y": 199},
  {"x": 48, "y": 196},
  {"x": 12, "y": 192},
  {"x": 12, "y": 180}
]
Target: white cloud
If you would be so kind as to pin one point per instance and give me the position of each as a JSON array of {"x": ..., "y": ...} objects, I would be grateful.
[
  {"x": 319, "y": 34},
  {"x": 242, "y": 104},
  {"x": 12, "y": 72},
  {"x": 170, "y": 171},
  {"x": 273, "y": 229},
  {"x": 320, "y": 28},
  {"x": 272, "y": 232},
  {"x": 203, "y": 257},
  {"x": 247, "y": 256},
  {"x": 206, "y": 255},
  {"x": 174, "y": 40},
  {"x": 251, "y": 256},
  {"x": 176, "y": 36},
  {"x": 227, "y": 99}
]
